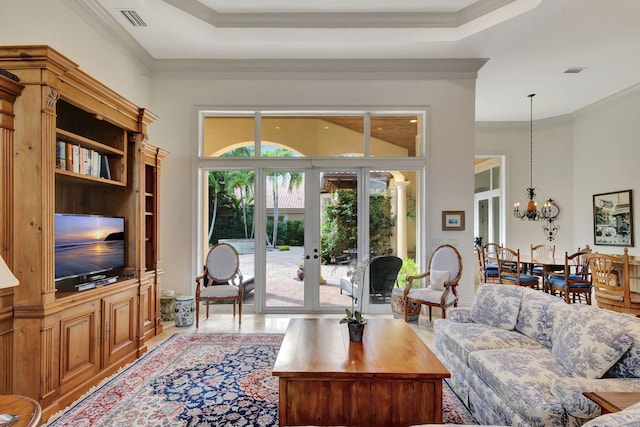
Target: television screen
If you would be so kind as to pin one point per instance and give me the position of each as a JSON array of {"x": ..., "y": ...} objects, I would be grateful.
[{"x": 87, "y": 244}]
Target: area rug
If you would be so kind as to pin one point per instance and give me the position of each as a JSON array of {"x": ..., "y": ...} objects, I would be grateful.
[{"x": 199, "y": 380}]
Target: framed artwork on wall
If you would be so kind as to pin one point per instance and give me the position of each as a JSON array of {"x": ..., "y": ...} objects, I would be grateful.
[
  {"x": 613, "y": 218},
  {"x": 453, "y": 220}
]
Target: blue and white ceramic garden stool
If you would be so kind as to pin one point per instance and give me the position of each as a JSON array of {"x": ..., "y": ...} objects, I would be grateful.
[{"x": 184, "y": 311}]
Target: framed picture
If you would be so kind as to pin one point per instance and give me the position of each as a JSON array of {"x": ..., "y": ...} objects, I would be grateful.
[
  {"x": 453, "y": 220},
  {"x": 613, "y": 219}
]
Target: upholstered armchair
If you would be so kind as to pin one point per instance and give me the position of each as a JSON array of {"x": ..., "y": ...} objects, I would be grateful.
[
  {"x": 221, "y": 280},
  {"x": 439, "y": 290}
]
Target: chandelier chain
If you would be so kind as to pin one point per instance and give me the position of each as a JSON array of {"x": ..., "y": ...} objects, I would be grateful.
[{"x": 531, "y": 140}]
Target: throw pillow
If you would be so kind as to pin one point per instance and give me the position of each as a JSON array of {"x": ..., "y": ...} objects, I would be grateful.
[
  {"x": 497, "y": 306},
  {"x": 437, "y": 279},
  {"x": 588, "y": 346}
]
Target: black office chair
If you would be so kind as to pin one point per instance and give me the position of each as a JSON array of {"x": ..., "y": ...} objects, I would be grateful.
[{"x": 383, "y": 272}]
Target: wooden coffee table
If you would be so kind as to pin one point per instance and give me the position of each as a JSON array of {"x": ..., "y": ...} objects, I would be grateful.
[{"x": 391, "y": 378}]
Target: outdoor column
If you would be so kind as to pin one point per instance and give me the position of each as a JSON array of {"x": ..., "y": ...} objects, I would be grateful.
[{"x": 401, "y": 239}]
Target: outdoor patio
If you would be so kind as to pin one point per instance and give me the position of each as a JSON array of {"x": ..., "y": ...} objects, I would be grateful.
[{"x": 283, "y": 286}]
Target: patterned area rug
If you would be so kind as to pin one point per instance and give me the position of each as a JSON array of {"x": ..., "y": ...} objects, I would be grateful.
[{"x": 199, "y": 380}]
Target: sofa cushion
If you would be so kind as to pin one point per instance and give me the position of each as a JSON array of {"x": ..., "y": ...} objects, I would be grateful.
[
  {"x": 537, "y": 315},
  {"x": 589, "y": 346},
  {"x": 570, "y": 392},
  {"x": 522, "y": 379},
  {"x": 497, "y": 305},
  {"x": 437, "y": 279},
  {"x": 465, "y": 338},
  {"x": 629, "y": 364}
]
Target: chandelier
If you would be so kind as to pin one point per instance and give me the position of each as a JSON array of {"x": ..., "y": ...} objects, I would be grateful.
[{"x": 531, "y": 213}]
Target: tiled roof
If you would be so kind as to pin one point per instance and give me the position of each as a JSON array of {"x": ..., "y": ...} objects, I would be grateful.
[{"x": 288, "y": 199}]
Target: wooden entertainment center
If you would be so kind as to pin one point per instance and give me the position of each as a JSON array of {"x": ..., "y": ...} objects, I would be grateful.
[{"x": 56, "y": 345}]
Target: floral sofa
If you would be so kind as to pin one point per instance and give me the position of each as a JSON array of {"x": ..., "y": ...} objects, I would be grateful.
[
  {"x": 521, "y": 357},
  {"x": 629, "y": 417}
]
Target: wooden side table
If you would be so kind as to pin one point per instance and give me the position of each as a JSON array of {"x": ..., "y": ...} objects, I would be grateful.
[
  {"x": 613, "y": 401},
  {"x": 26, "y": 408}
]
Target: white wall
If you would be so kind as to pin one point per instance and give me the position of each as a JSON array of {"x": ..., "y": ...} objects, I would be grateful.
[
  {"x": 451, "y": 144},
  {"x": 51, "y": 22},
  {"x": 552, "y": 175},
  {"x": 607, "y": 159}
]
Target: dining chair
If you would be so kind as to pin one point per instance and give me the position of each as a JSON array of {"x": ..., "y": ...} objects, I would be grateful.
[
  {"x": 221, "y": 280},
  {"x": 439, "y": 290},
  {"x": 490, "y": 262},
  {"x": 510, "y": 269},
  {"x": 539, "y": 252},
  {"x": 575, "y": 279},
  {"x": 606, "y": 272}
]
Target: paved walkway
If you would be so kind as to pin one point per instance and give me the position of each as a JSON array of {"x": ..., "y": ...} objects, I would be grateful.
[{"x": 284, "y": 289}]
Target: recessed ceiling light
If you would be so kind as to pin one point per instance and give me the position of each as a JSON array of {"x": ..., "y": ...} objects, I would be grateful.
[
  {"x": 413, "y": 121},
  {"x": 574, "y": 70}
]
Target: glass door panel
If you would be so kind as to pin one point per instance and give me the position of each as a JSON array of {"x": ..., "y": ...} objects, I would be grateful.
[
  {"x": 337, "y": 193},
  {"x": 286, "y": 268},
  {"x": 394, "y": 228}
]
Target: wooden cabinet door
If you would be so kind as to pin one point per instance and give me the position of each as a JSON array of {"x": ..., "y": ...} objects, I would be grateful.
[
  {"x": 119, "y": 340},
  {"x": 148, "y": 303},
  {"x": 79, "y": 344}
]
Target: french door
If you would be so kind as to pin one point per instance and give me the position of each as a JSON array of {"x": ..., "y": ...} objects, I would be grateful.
[{"x": 307, "y": 277}]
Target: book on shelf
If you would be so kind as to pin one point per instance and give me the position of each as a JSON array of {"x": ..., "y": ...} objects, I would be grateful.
[
  {"x": 105, "y": 172},
  {"x": 75, "y": 158},
  {"x": 81, "y": 160},
  {"x": 61, "y": 155}
]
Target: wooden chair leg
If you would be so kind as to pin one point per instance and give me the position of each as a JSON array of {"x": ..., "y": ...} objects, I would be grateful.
[
  {"x": 197, "y": 313},
  {"x": 240, "y": 311},
  {"x": 429, "y": 313}
]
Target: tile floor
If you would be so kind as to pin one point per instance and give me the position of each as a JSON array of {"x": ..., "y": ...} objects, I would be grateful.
[{"x": 222, "y": 321}]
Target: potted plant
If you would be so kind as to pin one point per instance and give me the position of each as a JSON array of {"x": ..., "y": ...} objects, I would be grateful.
[
  {"x": 300, "y": 272},
  {"x": 354, "y": 319},
  {"x": 355, "y": 323}
]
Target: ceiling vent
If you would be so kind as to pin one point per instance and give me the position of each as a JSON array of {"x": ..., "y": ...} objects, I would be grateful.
[
  {"x": 574, "y": 70},
  {"x": 133, "y": 17}
]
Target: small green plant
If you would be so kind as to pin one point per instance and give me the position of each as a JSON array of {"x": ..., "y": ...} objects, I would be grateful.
[
  {"x": 409, "y": 268},
  {"x": 284, "y": 248},
  {"x": 353, "y": 317}
]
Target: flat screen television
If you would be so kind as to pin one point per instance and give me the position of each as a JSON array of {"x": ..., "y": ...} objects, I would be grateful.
[{"x": 89, "y": 250}]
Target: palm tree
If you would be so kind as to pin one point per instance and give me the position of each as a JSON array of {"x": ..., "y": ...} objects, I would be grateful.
[
  {"x": 243, "y": 182},
  {"x": 217, "y": 184},
  {"x": 294, "y": 178}
]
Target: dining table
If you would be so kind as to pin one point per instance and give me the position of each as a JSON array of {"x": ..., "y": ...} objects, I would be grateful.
[{"x": 549, "y": 264}]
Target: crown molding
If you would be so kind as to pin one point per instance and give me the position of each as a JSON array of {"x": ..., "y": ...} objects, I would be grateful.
[
  {"x": 411, "y": 19},
  {"x": 349, "y": 69}
]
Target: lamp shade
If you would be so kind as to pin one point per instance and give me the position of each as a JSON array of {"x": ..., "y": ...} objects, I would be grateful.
[{"x": 7, "y": 279}]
